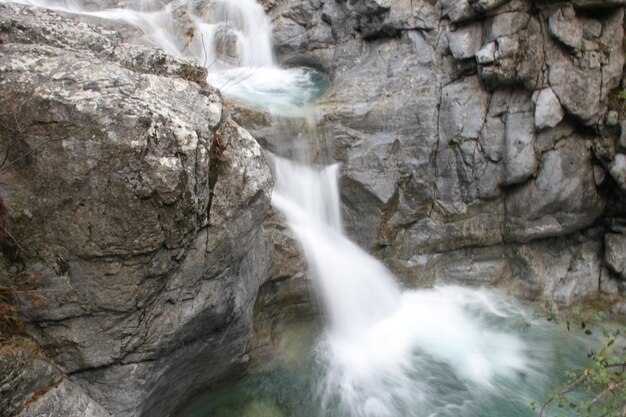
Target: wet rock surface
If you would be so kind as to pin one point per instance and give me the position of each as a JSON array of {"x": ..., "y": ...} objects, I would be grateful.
[
  {"x": 31, "y": 385},
  {"x": 136, "y": 212},
  {"x": 478, "y": 143},
  {"x": 472, "y": 139}
]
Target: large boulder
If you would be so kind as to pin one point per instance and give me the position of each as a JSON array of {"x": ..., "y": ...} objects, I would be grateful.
[{"x": 136, "y": 212}]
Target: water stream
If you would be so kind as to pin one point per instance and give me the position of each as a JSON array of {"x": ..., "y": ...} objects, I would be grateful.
[{"x": 383, "y": 351}]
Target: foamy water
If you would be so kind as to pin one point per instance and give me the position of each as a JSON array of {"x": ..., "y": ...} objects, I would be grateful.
[
  {"x": 386, "y": 351},
  {"x": 384, "y": 345},
  {"x": 231, "y": 38}
]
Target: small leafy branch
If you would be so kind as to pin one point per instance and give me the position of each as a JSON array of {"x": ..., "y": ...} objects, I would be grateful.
[{"x": 602, "y": 384}]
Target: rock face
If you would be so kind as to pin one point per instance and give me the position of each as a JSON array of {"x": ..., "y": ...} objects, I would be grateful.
[
  {"x": 474, "y": 135},
  {"x": 480, "y": 143},
  {"x": 136, "y": 212},
  {"x": 32, "y": 386}
]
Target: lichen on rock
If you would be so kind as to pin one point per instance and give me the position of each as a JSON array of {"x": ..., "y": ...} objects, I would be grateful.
[{"x": 108, "y": 156}]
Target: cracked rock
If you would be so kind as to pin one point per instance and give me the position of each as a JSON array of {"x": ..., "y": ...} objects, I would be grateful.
[
  {"x": 615, "y": 253},
  {"x": 564, "y": 26},
  {"x": 548, "y": 110}
]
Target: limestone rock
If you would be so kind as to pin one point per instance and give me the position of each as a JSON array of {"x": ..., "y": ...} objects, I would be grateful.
[
  {"x": 148, "y": 246},
  {"x": 289, "y": 36},
  {"x": 466, "y": 41},
  {"x": 520, "y": 160},
  {"x": 615, "y": 253},
  {"x": 505, "y": 24},
  {"x": 487, "y": 54},
  {"x": 64, "y": 399},
  {"x": 612, "y": 38},
  {"x": 485, "y": 5},
  {"x": 578, "y": 91},
  {"x": 617, "y": 168},
  {"x": 458, "y": 10},
  {"x": 371, "y": 6},
  {"x": 32, "y": 386},
  {"x": 463, "y": 110},
  {"x": 561, "y": 200},
  {"x": 548, "y": 110},
  {"x": 564, "y": 26},
  {"x": 560, "y": 270}
]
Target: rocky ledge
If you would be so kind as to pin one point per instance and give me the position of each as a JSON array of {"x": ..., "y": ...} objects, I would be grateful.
[
  {"x": 482, "y": 142},
  {"x": 136, "y": 207}
]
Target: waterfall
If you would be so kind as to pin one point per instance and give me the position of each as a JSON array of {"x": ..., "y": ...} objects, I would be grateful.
[
  {"x": 232, "y": 38},
  {"x": 381, "y": 338},
  {"x": 356, "y": 288},
  {"x": 387, "y": 351}
]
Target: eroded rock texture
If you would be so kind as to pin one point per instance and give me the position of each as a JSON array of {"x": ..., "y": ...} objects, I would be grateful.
[
  {"x": 480, "y": 141},
  {"x": 475, "y": 136},
  {"x": 143, "y": 247}
]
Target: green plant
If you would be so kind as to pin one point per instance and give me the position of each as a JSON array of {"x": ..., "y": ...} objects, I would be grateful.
[{"x": 599, "y": 390}]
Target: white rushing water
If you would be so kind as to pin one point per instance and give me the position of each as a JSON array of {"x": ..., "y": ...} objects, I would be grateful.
[
  {"x": 382, "y": 342},
  {"x": 388, "y": 352},
  {"x": 231, "y": 38}
]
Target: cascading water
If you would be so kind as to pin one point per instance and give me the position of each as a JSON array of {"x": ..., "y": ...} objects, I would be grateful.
[
  {"x": 232, "y": 38},
  {"x": 387, "y": 352},
  {"x": 448, "y": 351}
]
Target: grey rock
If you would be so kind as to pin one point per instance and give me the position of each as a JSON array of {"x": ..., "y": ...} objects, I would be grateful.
[
  {"x": 564, "y": 26},
  {"x": 420, "y": 46},
  {"x": 615, "y": 253},
  {"x": 583, "y": 82},
  {"x": 599, "y": 175},
  {"x": 578, "y": 91},
  {"x": 32, "y": 386},
  {"x": 64, "y": 399},
  {"x": 492, "y": 138},
  {"x": 466, "y": 41},
  {"x": 548, "y": 110},
  {"x": 150, "y": 252},
  {"x": 458, "y": 10},
  {"x": 612, "y": 39},
  {"x": 562, "y": 199},
  {"x": 612, "y": 118},
  {"x": 429, "y": 235},
  {"x": 620, "y": 308},
  {"x": 505, "y": 24},
  {"x": 487, "y": 54},
  {"x": 460, "y": 163},
  {"x": 592, "y": 28},
  {"x": 156, "y": 293},
  {"x": 289, "y": 36},
  {"x": 520, "y": 160},
  {"x": 371, "y": 6},
  {"x": 463, "y": 110},
  {"x": 482, "y": 6},
  {"x": 516, "y": 55},
  {"x": 476, "y": 267},
  {"x": 563, "y": 271},
  {"x": 617, "y": 168},
  {"x": 22, "y": 375}
]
